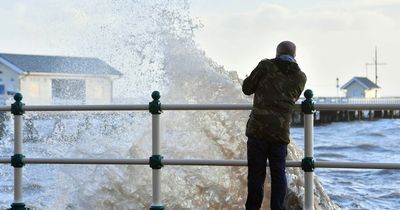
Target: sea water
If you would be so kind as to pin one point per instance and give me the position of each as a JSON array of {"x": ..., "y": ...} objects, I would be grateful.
[{"x": 359, "y": 141}]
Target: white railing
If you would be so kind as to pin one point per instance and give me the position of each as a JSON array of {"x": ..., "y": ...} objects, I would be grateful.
[
  {"x": 344, "y": 100},
  {"x": 156, "y": 161}
]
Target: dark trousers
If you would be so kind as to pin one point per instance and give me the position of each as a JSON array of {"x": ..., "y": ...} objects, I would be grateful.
[{"x": 258, "y": 152}]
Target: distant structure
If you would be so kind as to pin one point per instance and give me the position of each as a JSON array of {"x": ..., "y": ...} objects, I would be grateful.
[
  {"x": 376, "y": 64},
  {"x": 337, "y": 87},
  {"x": 360, "y": 87},
  {"x": 56, "y": 79}
]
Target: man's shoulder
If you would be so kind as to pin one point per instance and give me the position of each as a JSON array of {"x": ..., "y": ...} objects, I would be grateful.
[
  {"x": 303, "y": 75},
  {"x": 266, "y": 60},
  {"x": 266, "y": 63}
]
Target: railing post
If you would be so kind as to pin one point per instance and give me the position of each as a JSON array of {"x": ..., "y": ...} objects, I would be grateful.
[
  {"x": 307, "y": 164},
  {"x": 17, "y": 158},
  {"x": 155, "y": 159}
]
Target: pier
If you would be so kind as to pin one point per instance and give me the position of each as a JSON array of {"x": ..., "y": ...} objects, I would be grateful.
[{"x": 362, "y": 109}]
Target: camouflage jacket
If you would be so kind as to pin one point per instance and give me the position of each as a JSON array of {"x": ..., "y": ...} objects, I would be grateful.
[{"x": 276, "y": 85}]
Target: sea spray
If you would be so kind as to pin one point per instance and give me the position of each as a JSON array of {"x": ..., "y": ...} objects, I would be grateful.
[{"x": 151, "y": 42}]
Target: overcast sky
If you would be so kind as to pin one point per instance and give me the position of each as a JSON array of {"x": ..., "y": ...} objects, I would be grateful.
[{"x": 333, "y": 38}]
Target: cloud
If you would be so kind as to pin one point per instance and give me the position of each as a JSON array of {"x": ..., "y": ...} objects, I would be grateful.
[
  {"x": 361, "y": 3},
  {"x": 333, "y": 41},
  {"x": 272, "y": 16}
]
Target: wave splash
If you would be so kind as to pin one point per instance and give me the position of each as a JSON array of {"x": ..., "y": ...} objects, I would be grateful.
[{"x": 151, "y": 42}]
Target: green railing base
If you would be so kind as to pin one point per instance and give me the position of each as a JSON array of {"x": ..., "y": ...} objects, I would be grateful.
[
  {"x": 18, "y": 206},
  {"x": 156, "y": 207}
]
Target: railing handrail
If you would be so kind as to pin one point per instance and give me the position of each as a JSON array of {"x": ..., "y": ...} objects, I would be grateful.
[
  {"x": 182, "y": 107},
  {"x": 200, "y": 162}
]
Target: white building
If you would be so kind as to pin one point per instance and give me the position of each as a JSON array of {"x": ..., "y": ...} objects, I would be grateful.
[
  {"x": 56, "y": 79},
  {"x": 360, "y": 87}
]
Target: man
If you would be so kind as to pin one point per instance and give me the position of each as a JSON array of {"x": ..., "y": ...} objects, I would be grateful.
[{"x": 276, "y": 84}]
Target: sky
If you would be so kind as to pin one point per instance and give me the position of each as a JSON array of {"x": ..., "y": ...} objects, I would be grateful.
[{"x": 335, "y": 39}]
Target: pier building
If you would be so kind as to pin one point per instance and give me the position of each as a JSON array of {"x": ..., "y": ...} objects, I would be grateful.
[{"x": 360, "y": 87}]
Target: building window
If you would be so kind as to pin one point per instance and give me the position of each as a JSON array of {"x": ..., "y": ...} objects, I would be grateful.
[
  {"x": 34, "y": 90},
  {"x": 98, "y": 91},
  {"x": 68, "y": 89},
  {"x": 2, "y": 89}
]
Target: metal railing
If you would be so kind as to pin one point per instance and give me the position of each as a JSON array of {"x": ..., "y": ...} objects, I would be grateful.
[
  {"x": 156, "y": 161},
  {"x": 344, "y": 100}
]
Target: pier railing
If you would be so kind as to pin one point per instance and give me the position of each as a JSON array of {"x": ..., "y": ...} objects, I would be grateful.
[
  {"x": 157, "y": 161},
  {"x": 345, "y": 100}
]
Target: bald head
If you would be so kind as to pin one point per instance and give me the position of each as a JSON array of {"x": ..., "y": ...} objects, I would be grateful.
[{"x": 286, "y": 48}]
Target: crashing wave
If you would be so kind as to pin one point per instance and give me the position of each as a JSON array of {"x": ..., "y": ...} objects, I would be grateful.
[{"x": 151, "y": 42}]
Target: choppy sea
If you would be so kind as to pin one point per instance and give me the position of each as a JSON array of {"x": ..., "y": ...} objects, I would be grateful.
[{"x": 359, "y": 141}]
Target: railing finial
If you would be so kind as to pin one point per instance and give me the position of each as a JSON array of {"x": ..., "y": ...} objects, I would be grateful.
[
  {"x": 307, "y": 106},
  {"x": 155, "y": 105},
  {"x": 308, "y": 94},
  {"x": 17, "y": 107},
  {"x": 155, "y": 95}
]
